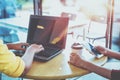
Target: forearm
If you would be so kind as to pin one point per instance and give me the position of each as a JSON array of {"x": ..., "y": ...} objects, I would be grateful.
[
  {"x": 9, "y": 45},
  {"x": 98, "y": 70},
  {"x": 28, "y": 62},
  {"x": 29, "y": 53},
  {"x": 113, "y": 54}
]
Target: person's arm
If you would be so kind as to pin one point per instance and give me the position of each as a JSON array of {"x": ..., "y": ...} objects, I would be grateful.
[
  {"x": 97, "y": 69},
  {"x": 14, "y": 66},
  {"x": 108, "y": 52},
  {"x": 17, "y": 46},
  {"x": 113, "y": 54},
  {"x": 30, "y": 52},
  {"x": 76, "y": 60}
]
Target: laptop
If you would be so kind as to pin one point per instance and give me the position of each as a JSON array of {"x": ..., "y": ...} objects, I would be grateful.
[{"x": 49, "y": 31}]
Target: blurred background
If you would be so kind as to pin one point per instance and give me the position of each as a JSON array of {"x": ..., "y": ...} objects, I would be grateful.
[{"x": 95, "y": 21}]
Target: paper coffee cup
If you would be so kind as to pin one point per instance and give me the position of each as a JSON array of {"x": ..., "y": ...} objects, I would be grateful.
[{"x": 77, "y": 48}]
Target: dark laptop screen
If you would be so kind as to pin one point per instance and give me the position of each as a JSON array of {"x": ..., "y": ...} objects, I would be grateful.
[{"x": 47, "y": 30}]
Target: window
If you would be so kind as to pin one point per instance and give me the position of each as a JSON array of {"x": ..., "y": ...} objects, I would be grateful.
[
  {"x": 115, "y": 36},
  {"x": 89, "y": 13}
]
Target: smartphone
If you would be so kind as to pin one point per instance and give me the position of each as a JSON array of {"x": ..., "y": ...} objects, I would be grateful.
[{"x": 92, "y": 49}]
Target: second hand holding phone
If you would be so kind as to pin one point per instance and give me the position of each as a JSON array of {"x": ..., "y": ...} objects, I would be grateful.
[{"x": 92, "y": 49}]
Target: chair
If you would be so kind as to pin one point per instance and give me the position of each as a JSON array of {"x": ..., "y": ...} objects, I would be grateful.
[
  {"x": 72, "y": 16},
  {"x": 96, "y": 30}
]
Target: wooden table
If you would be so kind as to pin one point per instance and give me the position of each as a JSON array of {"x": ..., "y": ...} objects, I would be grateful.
[{"x": 59, "y": 69}]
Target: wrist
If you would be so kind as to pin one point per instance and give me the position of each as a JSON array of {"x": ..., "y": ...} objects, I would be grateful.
[
  {"x": 86, "y": 65},
  {"x": 30, "y": 50},
  {"x": 89, "y": 66},
  {"x": 105, "y": 52}
]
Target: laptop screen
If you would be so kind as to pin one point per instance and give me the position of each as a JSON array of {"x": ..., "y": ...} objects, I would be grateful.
[{"x": 47, "y": 30}]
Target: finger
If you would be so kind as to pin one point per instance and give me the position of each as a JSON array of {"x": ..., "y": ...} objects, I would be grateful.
[
  {"x": 72, "y": 59},
  {"x": 41, "y": 46},
  {"x": 22, "y": 49},
  {"x": 41, "y": 49},
  {"x": 70, "y": 62},
  {"x": 97, "y": 47},
  {"x": 73, "y": 54},
  {"x": 26, "y": 44},
  {"x": 100, "y": 48}
]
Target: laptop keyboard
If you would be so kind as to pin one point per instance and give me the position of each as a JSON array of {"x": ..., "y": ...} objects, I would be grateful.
[{"x": 48, "y": 52}]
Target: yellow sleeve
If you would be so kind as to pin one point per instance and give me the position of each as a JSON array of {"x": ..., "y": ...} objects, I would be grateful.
[
  {"x": 10, "y": 64},
  {"x": 16, "y": 68}
]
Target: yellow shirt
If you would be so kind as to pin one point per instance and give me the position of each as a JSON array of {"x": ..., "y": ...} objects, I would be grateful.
[{"x": 10, "y": 64}]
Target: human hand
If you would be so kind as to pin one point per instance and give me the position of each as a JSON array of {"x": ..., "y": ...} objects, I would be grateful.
[
  {"x": 101, "y": 49},
  {"x": 76, "y": 60},
  {"x": 35, "y": 48},
  {"x": 18, "y": 46},
  {"x": 29, "y": 53}
]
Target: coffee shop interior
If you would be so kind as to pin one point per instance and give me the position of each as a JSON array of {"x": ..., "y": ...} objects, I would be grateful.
[{"x": 93, "y": 21}]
